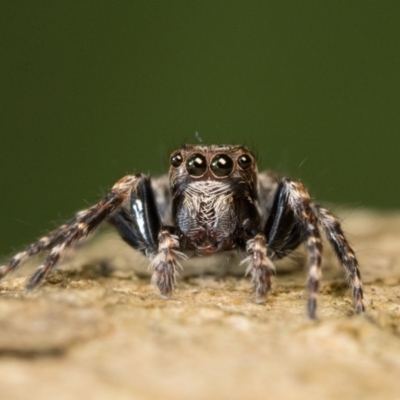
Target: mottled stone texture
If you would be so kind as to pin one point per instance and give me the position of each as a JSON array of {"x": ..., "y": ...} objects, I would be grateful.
[{"x": 98, "y": 329}]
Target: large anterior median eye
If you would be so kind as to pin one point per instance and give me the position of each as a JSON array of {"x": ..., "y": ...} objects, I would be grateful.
[
  {"x": 221, "y": 165},
  {"x": 196, "y": 165}
]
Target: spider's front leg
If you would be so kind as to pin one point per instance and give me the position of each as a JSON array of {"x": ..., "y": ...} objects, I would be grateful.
[
  {"x": 61, "y": 239},
  {"x": 295, "y": 219},
  {"x": 300, "y": 203},
  {"x": 291, "y": 222},
  {"x": 140, "y": 225}
]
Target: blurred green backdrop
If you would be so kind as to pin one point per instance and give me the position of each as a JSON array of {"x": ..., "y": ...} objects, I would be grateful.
[{"x": 92, "y": 90}]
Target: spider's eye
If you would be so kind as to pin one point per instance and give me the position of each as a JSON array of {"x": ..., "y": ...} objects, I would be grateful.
[
  {"x": 244, "y": 161},
  {"x": 176, "y": 160},
  {"x": 196, "y": 165},
  {"x": 221, "y": 165}
]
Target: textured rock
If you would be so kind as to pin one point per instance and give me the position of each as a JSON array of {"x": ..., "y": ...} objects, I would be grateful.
[{"x": 98, "y": 329}]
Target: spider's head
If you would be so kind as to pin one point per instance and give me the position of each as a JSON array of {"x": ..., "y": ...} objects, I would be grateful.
[
  {"x": 232, "y": 165},
  {"x": 213, "y": 188}
]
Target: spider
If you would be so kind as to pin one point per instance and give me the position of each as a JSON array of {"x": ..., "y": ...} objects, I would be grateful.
[{"x": 213, "y": 200}]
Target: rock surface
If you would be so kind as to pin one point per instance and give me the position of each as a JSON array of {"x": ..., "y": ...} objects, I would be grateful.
[{"x": 98, "y": 329}]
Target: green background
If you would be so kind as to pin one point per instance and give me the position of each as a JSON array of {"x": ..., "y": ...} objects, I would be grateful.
[{"x": 90, "y": 91}]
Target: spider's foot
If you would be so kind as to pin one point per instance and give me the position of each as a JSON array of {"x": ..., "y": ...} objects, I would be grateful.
[
  {"x": 360, "y": 308},
  {"x": 260, "y": 299},
  {"x": 36, "y": 279},
  {"x": 358, "y": 298},
  {"x": 3, "y": 271},
  {"x": 311, "y": 308}
]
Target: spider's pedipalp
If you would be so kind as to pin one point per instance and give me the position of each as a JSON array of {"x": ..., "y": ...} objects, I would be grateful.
[
  {"x": 165, "y": 263},
  {"x": 260, "y": 267},
  {"x": 344, "y": 253}
]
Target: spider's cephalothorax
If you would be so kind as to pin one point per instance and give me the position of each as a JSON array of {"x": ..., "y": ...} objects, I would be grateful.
[
  {"x": 213, "y": 200},
  {"x": 214, "y": 195}
]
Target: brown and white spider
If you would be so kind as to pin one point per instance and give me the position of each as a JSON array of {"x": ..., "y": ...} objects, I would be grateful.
[{"x": 213, "y": 200}]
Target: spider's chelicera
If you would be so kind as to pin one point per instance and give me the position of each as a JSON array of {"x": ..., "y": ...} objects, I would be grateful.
[{"x": 213, "y": 200}]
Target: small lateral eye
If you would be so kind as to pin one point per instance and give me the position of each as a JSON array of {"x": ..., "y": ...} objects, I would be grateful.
[
  {"x": 196, "y": 165},
  {"x": 176, "y": 160},
  {"x": 221, "y": 165},
  {"x": 244, "y": 161}
]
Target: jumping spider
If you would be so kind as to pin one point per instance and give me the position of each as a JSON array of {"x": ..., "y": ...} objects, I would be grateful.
[{"x": 214, "y": 200}]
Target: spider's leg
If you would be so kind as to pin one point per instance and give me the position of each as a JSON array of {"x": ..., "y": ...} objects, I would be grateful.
[
  {"x": 83, "y": 224},
  {"x": 43, "y": 244},
  {"x": 139, "y": 225},
  {"x": 138, "y": 222},
  {"x": 163, "y": 198},
  {"x": 299, "y": 202},
  {"x": 281, "y": 229},
  {"x": 344, "y": 253},
  {"x": 278, "y": 236},
  {"x": 253, "y": 240},
  {"x": 122, "y": 222}
]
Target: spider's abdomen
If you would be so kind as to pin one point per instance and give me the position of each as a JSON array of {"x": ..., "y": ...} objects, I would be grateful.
[{"x": 206, "y": 216}]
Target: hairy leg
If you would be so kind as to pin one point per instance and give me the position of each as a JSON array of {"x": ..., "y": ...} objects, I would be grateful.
[
  {"x": 138, "y": 222},
  {"x": 300, "y": 202},
  {"x": 344, "y": 253},
  {"x": 85, "y": 222}
]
